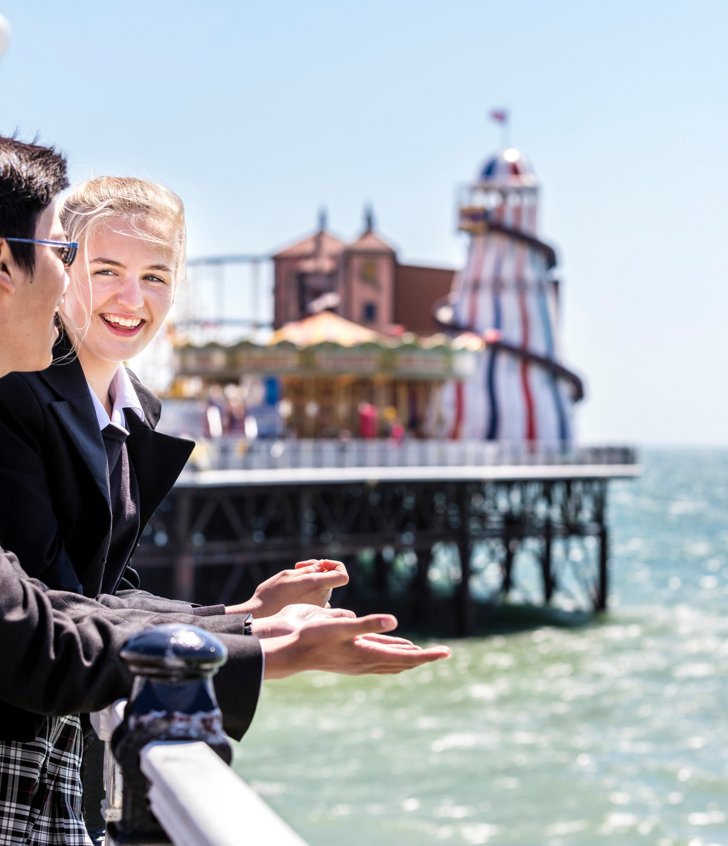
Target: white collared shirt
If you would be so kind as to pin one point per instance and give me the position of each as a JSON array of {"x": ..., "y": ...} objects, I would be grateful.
[{"x": 123, "y": 396}]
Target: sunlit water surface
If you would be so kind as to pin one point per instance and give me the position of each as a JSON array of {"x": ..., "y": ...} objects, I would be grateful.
[{"x": 610, "y": 733}]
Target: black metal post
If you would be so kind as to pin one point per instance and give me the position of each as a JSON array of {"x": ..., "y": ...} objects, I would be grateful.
[
  {"x": 546, "y": 565},
  {"x": 380, "y": 579},
  {"x": 464, "y": 607},
  {"x": 464, "y": 611},
  {"x": 172, "y": 699},
  {"x": 603, "y": 588},
  {"x": 509, "y": 548},
  {"x": 184, "y": 570}
]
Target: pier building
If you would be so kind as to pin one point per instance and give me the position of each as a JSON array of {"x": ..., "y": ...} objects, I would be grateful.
[{"x": 416, "y": 422}]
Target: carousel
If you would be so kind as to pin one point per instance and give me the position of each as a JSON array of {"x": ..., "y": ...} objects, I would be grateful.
[{"x": 326, "y": 376}]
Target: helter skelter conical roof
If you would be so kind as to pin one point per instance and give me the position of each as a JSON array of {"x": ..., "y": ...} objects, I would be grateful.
[{"x": 508, "y": 168}]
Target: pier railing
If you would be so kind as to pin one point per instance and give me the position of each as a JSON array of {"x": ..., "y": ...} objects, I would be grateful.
[
  {"x": 166, "y": 771},
  {"x": 231, "y": 453},
  {"x": 197, "y": 798}
]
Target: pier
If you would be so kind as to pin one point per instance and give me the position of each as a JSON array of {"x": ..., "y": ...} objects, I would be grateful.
[
  {"x": 422, "y": 525},
  {"x": 464, "y": 490}
]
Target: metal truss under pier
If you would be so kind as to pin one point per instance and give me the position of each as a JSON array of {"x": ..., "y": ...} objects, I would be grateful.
[{"x": 416, "y": 540}]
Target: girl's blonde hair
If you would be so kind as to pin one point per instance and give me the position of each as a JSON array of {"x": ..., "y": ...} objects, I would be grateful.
[{"x": 142, "y": 204}]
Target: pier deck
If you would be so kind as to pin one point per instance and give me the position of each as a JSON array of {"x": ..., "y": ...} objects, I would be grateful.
[{"x": 416, "y": 523}]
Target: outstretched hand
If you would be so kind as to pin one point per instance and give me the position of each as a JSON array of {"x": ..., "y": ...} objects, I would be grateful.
[
  {"x": 348, "y": 645},
  {"x": 309, "y": 582},
  {"x": 292, "y": 618}
]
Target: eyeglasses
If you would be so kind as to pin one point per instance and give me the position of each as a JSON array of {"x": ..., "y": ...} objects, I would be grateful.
[{"x": 66, "y": 249}]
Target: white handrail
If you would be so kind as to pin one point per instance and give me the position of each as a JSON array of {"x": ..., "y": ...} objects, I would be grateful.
[
  {"x": 200, "y": 801},
  {"x": 197, "y": 798}
]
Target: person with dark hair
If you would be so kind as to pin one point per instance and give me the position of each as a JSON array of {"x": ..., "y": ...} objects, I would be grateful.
[{"x": 61, "y": 650}]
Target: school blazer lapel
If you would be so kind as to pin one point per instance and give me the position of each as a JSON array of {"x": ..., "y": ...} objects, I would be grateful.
[
  {"x": 158, "y": 459},
  {"x": 74, "y": 411}
]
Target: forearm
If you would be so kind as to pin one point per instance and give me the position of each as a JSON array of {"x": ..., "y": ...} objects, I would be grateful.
[
  {"x": 238, "y": 683},
  {"x": 250, "y": 606},
  {"x": 61, "y": 651},
  {"x": 145, "y": 601},
  {"x": 56, "y": 663}
]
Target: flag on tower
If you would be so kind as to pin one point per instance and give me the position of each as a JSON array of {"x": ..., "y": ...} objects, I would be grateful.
[{"x": 499, "y": 115}]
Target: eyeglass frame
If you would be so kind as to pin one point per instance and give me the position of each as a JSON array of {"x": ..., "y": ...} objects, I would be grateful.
[{"x": 67, "y": 249}]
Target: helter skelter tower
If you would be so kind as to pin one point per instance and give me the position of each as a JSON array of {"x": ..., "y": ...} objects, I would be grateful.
[{"x": 508, "y": 293}]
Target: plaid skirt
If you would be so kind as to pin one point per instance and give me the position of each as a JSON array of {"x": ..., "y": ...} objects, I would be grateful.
[{"x": 40, "y": 787}]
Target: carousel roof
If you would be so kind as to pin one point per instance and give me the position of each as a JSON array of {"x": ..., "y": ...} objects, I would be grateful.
[
  {"x": 325, "y": 327},
  {"x": 326, "y": 344}
]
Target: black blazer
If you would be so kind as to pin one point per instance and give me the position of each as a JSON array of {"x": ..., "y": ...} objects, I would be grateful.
[
  {"x": 52, "y": 458},
  {"x": 55, "y": 514}
]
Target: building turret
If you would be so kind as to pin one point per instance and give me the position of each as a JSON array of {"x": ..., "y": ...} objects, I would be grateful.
[
  {"x": 505, "y": 191},
  {"x": 507, "y": 293},
  {"x": 356, "y": 280}
]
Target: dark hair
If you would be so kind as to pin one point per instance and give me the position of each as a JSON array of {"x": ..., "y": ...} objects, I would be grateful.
[{"x": 30, "y": 177}]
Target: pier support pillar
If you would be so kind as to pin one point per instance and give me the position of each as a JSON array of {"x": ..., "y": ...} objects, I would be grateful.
[
  {"x": 547, "y": 567},
  {"x": 600, "y": 603},
  {"x": 421, "y": 585},
  {"x": 509, "y": 545},
  {"x": 381, "y": 572},
  {"x": 464, "y": 611},
  {"x": 184, "y": 565}
]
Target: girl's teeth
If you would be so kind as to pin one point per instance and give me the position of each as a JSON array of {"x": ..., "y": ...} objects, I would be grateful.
[{"x": 130, "y": 323}]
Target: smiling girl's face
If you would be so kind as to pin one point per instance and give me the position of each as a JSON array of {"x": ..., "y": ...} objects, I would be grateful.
[{"x": 122, "y": 288}]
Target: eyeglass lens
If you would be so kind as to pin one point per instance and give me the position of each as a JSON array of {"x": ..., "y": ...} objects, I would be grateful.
[{"x": 67, "y": 254}]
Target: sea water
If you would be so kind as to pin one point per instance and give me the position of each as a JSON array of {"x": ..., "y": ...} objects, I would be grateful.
[{"x": 609, "y": 732}]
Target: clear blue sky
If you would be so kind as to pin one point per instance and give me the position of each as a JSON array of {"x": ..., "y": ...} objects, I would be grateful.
[{"x": 258, "y": 114}]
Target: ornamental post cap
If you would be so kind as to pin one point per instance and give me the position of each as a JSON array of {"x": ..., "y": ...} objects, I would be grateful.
[{"x": 174, "y": 651}]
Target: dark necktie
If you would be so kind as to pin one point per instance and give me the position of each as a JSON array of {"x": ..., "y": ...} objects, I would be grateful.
[
  {"x": 124, "y": 498},
  {"x": 114, "y": 441}
]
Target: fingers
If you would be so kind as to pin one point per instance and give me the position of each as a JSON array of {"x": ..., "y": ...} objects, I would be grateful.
[
  {"x": 330, "y": 564},
  {"x": 316, "y": 612},
  {"x": 381, "y": 657},
  {"x": 332, "y": 579},
  {"x": 320, "y": 565},
  {"x": 409, "y": 662},
  {"x": 400, "y": 641},
  {"x": 310, "y": 565},
  {"x": 370, "y": 624},
  {"x": 328, "y": 574},
  {"x": 358, "y": 645}
]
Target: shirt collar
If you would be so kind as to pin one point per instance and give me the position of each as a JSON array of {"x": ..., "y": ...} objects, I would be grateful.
[{"x": 123, "y": 395}]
